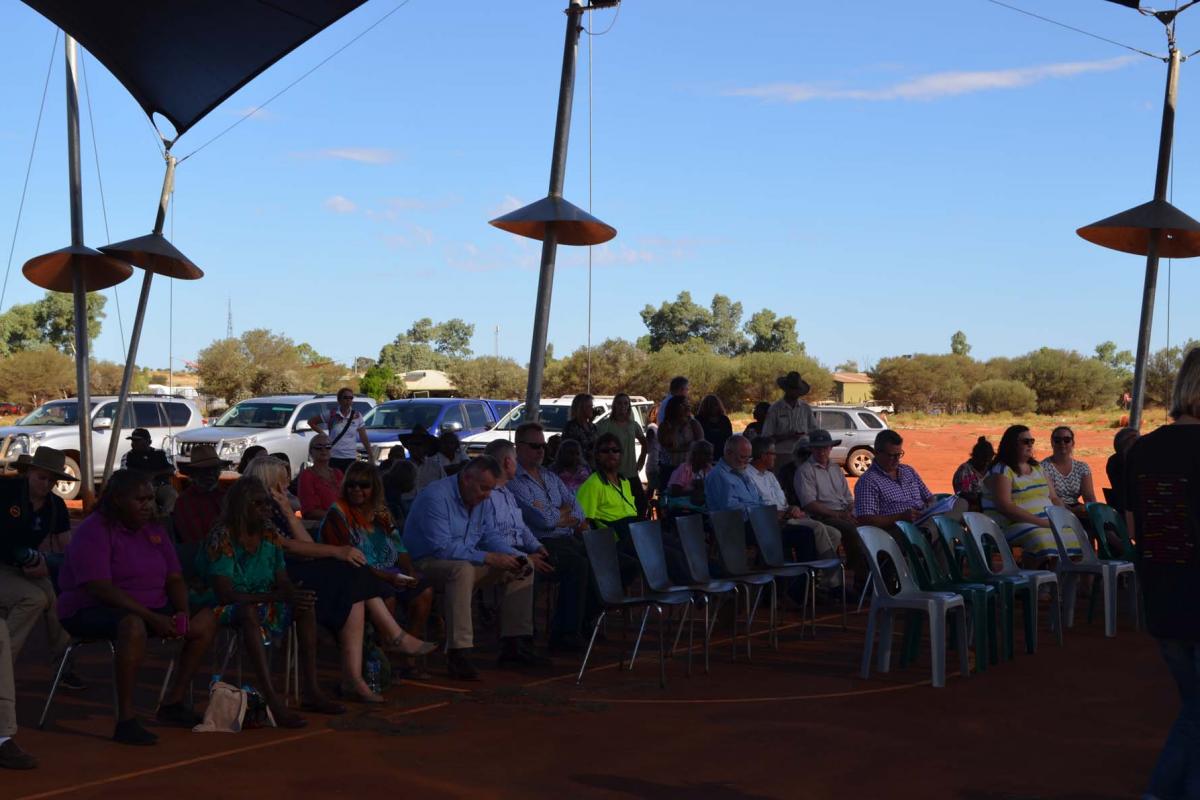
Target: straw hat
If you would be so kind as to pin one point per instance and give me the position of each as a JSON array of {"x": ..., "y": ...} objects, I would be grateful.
[{"x": 203, "y": 456}]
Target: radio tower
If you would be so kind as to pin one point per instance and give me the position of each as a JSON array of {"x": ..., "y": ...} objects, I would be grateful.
[{"x": 229, "y": 318}]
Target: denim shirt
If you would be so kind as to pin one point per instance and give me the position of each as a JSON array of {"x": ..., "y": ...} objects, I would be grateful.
[
  {"x": 439, "y": 525},
  {"x": 502, "y": 515},
  {"x": 725, "y": 489}
]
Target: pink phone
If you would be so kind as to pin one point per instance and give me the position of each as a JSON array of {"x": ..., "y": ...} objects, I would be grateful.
[{"x": 181, "y": 624}]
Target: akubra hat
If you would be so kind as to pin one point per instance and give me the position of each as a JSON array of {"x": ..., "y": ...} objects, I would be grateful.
[
  {"x": 817, "y": 437},
  {"x": 203, "y": 456},
  {"x": 793, "y": 381},
  {"x": 49, "y": 459}
]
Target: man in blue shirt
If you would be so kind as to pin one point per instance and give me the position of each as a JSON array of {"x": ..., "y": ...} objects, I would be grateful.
[
  {"x": 728, "y": 486},
  {"x": 553, "y": 514},
  {"x": 446, "y": 537}
]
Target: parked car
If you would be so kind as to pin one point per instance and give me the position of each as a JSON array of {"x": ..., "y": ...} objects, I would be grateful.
[
  {"x": 857, "y": 427},
  {"x": 278, "y": 423},
  {"x": 389, "y": 422},
  {"x": 56, "y": 424},
  {"x": 9, "y": 408}
]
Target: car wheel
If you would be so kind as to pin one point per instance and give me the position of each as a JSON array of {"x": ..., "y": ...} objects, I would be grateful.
[
  {"x": 859, "y": 461},
  {"x": 68, "y": 490}
]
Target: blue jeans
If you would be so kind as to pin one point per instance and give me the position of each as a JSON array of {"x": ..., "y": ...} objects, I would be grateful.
[{"x": 1177, "y": 774}]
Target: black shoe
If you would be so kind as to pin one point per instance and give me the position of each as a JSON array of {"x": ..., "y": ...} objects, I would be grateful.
[
  {"x": 13, "y": 757},
  {"x": 130, "y": 731},
  {"x": 516, "y": 652},
  {"x": 568, "y": 643},
  {"x": 179, "y": 714},
  {"x": 70, "y": 680},
  {"x": 459, "y": 665}
]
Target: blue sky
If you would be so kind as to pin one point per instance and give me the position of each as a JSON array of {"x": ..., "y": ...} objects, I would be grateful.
[{"x": 887, "y": 173}]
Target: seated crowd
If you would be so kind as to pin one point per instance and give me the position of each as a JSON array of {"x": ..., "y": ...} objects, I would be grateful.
[{"x": 360, "y": 550}]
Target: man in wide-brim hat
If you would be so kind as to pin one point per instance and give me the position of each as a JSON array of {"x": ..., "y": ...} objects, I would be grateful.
[
  {"x": 29, "y": 512},
  {"x": 199, "y": 505},
  {"x": 789, "y": 417}
]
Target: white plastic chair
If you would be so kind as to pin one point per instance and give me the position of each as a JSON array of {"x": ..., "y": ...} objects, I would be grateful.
[
  {"x": 1063, "y": 521},
  {"x": 980, "y": 525},
  {"x": 937, "y": 605}
]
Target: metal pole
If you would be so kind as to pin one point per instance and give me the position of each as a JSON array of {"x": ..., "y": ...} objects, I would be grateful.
[
  {"x": 75, "y": 180},
  {"x": 1165, "y": 140},
  {"x": 136, "y": 337},
  {"x": 558, "y": 171}
]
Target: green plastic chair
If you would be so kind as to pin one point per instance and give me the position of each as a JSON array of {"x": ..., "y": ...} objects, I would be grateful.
[
  {"x": 1104, "y": 517},
  {"x": 930, "y": 575}
]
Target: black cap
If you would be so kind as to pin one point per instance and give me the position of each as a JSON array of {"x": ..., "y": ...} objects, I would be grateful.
[{"x": 139, "y": 433}]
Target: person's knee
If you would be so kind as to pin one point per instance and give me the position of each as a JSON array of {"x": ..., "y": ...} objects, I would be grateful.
[
  {"x": 131, "y": 630},
  {"x": 202, "y": 626}
]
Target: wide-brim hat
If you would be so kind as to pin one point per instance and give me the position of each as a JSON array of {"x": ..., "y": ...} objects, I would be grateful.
[
  {"x": 818, "y": 437},
  {"x": 49, "y": 459},
  {"x": 793, "y": 381},
  {"x": 203, "y": 456}
]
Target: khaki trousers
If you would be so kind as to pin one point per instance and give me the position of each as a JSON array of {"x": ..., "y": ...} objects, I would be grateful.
[
  {"x": 458, "y": 580},
  {"x": 8, "y": 692},
  {"x": 25, "y": 600}
]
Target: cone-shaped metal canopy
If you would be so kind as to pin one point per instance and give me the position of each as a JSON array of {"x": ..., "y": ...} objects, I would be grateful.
[
  {"x": 54, "y": 271},
  {"x": 154, "y": 253},
  {"x": 572, "y": 223},
  {"x": 1130, "y": 230}
]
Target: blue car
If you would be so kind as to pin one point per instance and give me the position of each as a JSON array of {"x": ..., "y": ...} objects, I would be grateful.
[{"x": 388, "y": 422}]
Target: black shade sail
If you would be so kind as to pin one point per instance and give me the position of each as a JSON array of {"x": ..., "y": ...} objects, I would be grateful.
[{"x": 182, "y": 58}]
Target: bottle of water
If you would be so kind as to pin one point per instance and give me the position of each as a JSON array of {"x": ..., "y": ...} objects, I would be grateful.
[{"x": 371, "y": 670}]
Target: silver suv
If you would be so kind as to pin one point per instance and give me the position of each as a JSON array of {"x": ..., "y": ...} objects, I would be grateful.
[
  {"x": 278, "y": 423},
  {"x": 857, "y": 427},
  {"x": 56, "y": 424}
]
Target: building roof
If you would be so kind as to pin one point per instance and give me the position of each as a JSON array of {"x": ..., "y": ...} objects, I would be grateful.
[
  {"x": 851, "y": 377},
  {"x": 427, "y": 380}
]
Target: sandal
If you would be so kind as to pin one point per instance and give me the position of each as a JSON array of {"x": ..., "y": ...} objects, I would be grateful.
[
  {"x": 409, "y": 645},
  {"x": 364, "y": 695}
]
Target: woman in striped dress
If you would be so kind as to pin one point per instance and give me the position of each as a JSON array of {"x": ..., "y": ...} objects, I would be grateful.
[{"x": 1016, "y": 493}]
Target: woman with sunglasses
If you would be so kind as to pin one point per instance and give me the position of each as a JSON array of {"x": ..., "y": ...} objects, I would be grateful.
[
  {"x": 1016, "y": 493},
  {"x": 319, "y": 484},
  {"x": 360, "y": 519},
  {"x": 1071, "y": 478}
]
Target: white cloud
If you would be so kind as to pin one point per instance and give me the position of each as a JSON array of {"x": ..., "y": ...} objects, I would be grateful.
[
  {"x": 933, "y": 86},
  {"x": 507, "y": 205},
  {"x": 340, "y": 205},
  {"x": 361, "y": 155}
]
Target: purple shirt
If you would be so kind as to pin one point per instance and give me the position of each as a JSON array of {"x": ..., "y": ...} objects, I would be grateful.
[
  {"x": 879, "y": 494},
  {"x": 137, "y": 562}
]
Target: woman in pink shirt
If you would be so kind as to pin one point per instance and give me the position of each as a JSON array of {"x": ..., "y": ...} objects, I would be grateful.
[
  {"x": 321, "y": 484},
  {"x": 121, "y": 582}
]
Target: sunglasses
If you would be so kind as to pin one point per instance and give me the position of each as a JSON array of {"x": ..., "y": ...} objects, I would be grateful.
[
  {"x": 321, "y": 447},
  {"x": 347, "y": 397},
  {"x": 534, "y": 445},
  {"x": 616, "y": 450},
  {"x": 1028, "y": 441},
  {"x": 1062, "y": 439},
  {"x": 364, "y": 485}
]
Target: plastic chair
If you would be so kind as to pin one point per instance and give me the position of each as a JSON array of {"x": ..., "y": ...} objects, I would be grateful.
[
  {"x": 729, "y": 530},
  {"x": 1104, "y": 517},
  {"x": 958, "y": 547},
  {"x": 982, "y": 527},
  {"x": 931, "y": 577},
  {"x": 936, "y": 605},
  {"x": 695, "y": 552},
  {"x": 1063, "y": 522},
  {"x": 601, "y": 548},
  {"x": 648, "y": 544},
  {"x": 75, "y": 644},
  {"x": 764, "y": 521}
]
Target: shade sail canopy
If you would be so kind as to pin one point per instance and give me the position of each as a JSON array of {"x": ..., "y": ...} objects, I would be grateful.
[
  {"x": 1130, "y": 231},
  {"x": 572, "y": 223},
  {"x": 182, "y": 58},
  {"x": 55, "y": 271},
  {"x": 154, "y": 253}
]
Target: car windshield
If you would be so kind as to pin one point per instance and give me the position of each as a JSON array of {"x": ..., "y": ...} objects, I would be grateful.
[
  {"x": 63, "y": 413},
  {"x": 256, "y": 415},
  {"x": 553, "y": 418},
  {"x": 403, "y": 416}
]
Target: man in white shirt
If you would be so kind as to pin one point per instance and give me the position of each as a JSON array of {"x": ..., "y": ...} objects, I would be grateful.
[
  {"x": 344, "y": 427},
  {"x": 824, "y": 493},
  {"x": 796, "y": 523},
  {"x": 789, "y": 418}
]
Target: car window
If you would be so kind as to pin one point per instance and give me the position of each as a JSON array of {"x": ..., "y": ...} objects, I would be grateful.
[
  {"x": 257, "y": 414},
  {"x": 311, "y": 410},
  {"x": 454, "y": 414},
  {"x": 870, "y": 420},
  {"x": 109, "y": 411},
  {"x": 404, "y": 415},
  {"x": 553, "y": 418},
  {"x": 178, "y": 414},
  {"x": 476, "y": 415},
  {"x": 145, "y": 415},
  {"x": 361, "y": 406},
  {"x": 834, "y": 420}
]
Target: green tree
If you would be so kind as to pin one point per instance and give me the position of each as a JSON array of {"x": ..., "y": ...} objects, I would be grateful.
[
  {"x": 225, "y": 370},
  {"x": 616, "y": 366},
  {"x": 488, "y": 376},
  {"x": 381, "y": 383},
  {"x": 995, "y": 395},
  {"x": 958, "y": 344},
  {"x": 1161, "y": 369},
  {"x": 675, "y": 322},
  {"x": 50, "y": 320},
  {"x": 751, "y": 378},
  {"x": 772, "y": 334},
  {"x": 36, "y": 375},
  {"x": 920, "y": 382},
  {"x": 1064, "y": 380},
  {"x": 426, "y": 345},
  {"x": 724, "y": 332},
  {"x": 104, "y": 377}
]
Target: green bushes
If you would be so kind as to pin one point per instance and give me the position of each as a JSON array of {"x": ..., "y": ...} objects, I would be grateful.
[{"x": 996, "y": 394}]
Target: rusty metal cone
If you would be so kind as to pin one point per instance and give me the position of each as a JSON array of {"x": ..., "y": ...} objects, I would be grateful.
[
  {"x": 1130, "y": 231},
  {"x": 154, "y": 253},
  {"x": 55, "y": 271},
  {"x": 572, "y": 224}
]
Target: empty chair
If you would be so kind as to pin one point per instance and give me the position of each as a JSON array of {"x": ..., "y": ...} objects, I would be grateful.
[
  {"x": 648, "y": 543},
  {"x": 691, "y": 538},
  {"x": 1065, "y": 524},
  {"x": 764, "y": 521},
  {"x": 982, "y": 527},
  {"x": 936, "y": 605},
  {"x": 606, "y": 569},
  {"x": 1104, "y": 518},
  {"x": 729, "y": 529}
]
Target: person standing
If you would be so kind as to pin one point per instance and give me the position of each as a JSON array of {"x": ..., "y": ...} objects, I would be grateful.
[
  {"x": 789, "y": 417},
  {"x": 678, "y": 387},
  {"x": 620, "y": 423},
  {"x": 344, "y": 427},
  {"x": 1163, "y": 484}
]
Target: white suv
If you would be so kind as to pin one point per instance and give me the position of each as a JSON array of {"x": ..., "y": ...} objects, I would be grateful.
[{"x": 56, "y": 424}]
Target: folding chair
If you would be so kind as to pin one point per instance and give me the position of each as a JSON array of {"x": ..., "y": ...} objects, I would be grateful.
[
  {"x": 112, "y": 649},
  {"x": 729, "y": 529},
  {"x": 695, "y": 550},
  {"x": 764, "y": 522},
  {"x": 606, "y": 569},
  {"x": 648, "y": 544},
  {"x": 936, "y": 605},
  {"x": 1065, "y": 524}
]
